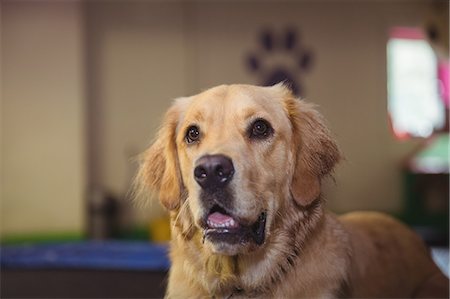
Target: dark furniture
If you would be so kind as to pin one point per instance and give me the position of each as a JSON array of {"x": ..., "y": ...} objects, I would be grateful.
[{"x": 84, "y": 270}]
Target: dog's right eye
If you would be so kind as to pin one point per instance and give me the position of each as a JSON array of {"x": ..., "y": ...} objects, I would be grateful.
[
  {"x": 192, "y": 134},
  {"x": 260, "y": 129}
]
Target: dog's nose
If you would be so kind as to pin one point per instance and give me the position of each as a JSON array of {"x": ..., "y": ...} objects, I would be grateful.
[{"x": 213, "y": 171}]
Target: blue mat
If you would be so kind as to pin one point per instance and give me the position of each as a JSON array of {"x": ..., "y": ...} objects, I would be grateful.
[
  {"x": 108, "y": 255},
  {"x": 111, "y": 255}
]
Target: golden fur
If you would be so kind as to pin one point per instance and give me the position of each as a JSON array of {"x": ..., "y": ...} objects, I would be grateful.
[{"x": 307, "y": 252}]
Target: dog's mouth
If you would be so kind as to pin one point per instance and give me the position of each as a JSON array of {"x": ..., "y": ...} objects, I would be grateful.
[{"x": 221, "y": 226}]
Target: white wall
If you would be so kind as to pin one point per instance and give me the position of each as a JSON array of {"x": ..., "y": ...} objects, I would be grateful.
[{"x": 42, "y": 118}]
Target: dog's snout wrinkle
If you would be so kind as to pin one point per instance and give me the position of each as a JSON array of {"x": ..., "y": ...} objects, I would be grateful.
[{"x": 213, "y": 171}]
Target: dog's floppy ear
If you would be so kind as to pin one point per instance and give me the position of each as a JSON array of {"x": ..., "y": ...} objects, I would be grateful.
[
  {"x": 159, "y": 169},
  {"x": 315, "y": 151}
]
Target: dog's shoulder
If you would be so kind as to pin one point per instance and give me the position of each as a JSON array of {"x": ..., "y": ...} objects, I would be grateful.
[
  {"x": 381, "y": 230},
  {"x": 385, "y": 254}
]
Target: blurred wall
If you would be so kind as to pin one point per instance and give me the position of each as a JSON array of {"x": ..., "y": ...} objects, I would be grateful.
[
  {"x": 147, "y": 53},
  {"x": 137, "y": 64},
  {"x": 42, "y": 117},
  {"x": 139, "y": 55}
]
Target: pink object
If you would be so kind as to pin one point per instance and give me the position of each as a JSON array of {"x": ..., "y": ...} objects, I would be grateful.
[
  {"x": 406, "y": 33},
  {"x": 443, "y": 75}
]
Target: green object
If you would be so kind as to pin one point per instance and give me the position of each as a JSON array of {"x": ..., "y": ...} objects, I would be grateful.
[
  {"x": 34, "y": 238},
  {"x": 136, "y": 233},
  {"x": 433, "y": 157}
]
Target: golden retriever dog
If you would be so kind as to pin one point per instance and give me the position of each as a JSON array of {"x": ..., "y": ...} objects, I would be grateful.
[{"x": 239, "y": 168}]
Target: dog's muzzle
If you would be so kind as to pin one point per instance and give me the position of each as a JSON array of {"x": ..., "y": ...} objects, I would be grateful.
[{"x": 213, "y": 173}]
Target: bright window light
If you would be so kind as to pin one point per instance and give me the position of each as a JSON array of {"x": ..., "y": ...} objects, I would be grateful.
[{"x": 414, "y": 103}]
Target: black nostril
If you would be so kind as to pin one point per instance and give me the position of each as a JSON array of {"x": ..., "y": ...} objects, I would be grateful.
[
  {"x": 213, "y": 171},
  {"x": 200, "y": 173},
  {"x": 219, "y": 171}
]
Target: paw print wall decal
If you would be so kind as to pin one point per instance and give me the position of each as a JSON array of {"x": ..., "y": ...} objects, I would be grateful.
[{"x": 281, "y": 58}]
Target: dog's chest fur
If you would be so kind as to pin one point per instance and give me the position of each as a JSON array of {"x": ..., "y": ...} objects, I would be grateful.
[{"x": 287, "y": 266}]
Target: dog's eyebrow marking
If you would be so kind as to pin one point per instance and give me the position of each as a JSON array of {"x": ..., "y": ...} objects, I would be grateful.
[
  {"x": 249, "y": 113},
  {"x": 199, "y": 116}
]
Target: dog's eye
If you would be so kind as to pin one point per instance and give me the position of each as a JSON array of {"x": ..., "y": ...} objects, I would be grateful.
[
  {"x": 192, "y": 134},
  {"x": 260, "y": 129}
]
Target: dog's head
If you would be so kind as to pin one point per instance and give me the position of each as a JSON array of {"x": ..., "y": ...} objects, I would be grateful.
[{"x": 233, "y": 157}]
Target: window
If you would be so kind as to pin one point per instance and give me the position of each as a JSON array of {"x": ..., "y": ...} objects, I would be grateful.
[{"x": 414, "y": 101}]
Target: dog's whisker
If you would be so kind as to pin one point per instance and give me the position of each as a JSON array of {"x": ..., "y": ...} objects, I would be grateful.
[
  {"x": 185, "y": 227},
  {"x": 180, "y": 211}
]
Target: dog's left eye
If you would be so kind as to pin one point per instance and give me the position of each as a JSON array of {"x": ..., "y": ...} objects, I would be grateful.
[
  {"x": 260, "y": 129},
  {"x": 192, "y": 134}
]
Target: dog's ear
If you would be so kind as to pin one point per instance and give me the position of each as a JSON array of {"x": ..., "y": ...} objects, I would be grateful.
[
  {"x": 159, "y": 167},
  {"x": 315, "y": 151}
]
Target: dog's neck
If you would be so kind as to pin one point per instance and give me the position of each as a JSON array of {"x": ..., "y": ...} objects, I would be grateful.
[
  {"x": 261, "y": 272},
  {"x": 256, "y": 274}
]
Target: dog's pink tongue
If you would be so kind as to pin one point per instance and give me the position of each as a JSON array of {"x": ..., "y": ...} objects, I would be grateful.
[
  {"x": 217, "y": 217},
  {"x": 217, "y": 220}
]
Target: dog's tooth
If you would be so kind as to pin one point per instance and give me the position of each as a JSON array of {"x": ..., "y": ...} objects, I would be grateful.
[
  {"x": 230, "y": 223},
  {"x": 211, "y": 224}
]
